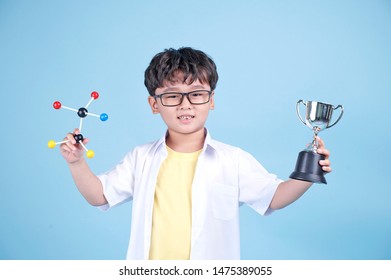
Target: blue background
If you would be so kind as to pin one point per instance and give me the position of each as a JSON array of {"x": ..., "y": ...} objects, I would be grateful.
[{"x": 269, "y": 54}]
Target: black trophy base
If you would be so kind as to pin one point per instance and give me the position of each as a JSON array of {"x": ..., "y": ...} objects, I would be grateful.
[{"x": 308, "y": 168}]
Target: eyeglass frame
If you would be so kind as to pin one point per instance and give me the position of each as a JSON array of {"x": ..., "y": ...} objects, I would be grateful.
[{"x": 183, "y": 94}]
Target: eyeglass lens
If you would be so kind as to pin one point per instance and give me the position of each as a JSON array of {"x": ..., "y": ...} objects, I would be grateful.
[{"x": 176, "y": 98}]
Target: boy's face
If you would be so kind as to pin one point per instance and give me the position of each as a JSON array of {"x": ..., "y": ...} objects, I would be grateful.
[{"x": 185, "y": 118}]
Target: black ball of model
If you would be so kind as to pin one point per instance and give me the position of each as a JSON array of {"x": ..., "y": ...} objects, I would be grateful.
[
  {"x": 78, "y": 137},
  {"x": 82, "y": 112}
]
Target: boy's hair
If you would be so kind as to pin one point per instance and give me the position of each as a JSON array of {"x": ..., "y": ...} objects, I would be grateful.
[{"x": 193, "y": 64}]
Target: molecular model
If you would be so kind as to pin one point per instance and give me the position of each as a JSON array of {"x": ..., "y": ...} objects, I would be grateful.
[{"x": 82, "y": 113}]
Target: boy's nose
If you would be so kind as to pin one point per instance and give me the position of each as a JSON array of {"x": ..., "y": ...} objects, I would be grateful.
[{"x": 185, "y": 103}]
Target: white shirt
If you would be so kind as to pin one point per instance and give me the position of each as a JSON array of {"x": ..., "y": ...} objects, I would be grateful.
[{"x": 225, "y": 178}]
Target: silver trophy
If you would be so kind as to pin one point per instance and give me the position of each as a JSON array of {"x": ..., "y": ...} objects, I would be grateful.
[{"x": 318, "y": 116}]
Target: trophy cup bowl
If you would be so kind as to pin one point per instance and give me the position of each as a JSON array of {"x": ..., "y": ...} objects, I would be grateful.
[{"x": 317, "y": 117}]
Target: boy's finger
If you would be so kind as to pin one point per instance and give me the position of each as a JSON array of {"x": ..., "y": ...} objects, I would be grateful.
[
  {"x": 327, "y": 169},
  {"x": 323, "y": 152},
  {"x": 320, "y": 142}
]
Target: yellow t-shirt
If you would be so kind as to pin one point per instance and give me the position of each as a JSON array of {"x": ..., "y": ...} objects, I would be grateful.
[{"x": 171, "y": 221}]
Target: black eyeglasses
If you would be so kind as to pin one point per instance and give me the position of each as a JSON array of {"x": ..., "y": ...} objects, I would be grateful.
[{"x": 197, "y": 97}]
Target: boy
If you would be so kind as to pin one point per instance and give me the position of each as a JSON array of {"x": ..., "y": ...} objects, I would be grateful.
[{"x": 186, "y": 187}]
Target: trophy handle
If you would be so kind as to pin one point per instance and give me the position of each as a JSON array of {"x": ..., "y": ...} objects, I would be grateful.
[
  {"x": 298, "y": 111},
  {"x": 340, "y": 116}
]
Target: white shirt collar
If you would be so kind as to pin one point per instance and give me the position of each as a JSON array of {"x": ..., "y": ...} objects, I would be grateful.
[{"x": 161, "y": 144}]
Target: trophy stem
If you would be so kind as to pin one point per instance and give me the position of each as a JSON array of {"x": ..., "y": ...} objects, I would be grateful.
[{"x": 313, "y": 146}]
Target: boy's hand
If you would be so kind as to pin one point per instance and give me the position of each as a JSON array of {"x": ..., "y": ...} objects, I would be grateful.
[
  {"x": 71, "y": 151},
  {"x": 322, "y": 150}
]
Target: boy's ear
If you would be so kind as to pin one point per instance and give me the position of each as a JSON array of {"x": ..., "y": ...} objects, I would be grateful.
[
  {"x": 212, "y": 101},
  {"x": 152, "y": 102}
]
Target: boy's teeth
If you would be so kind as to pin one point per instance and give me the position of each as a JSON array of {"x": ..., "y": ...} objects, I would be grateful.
[{"x": 185, "y": 117}]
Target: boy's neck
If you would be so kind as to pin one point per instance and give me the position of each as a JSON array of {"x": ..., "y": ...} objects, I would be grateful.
[{"x": 186, "y": 143}]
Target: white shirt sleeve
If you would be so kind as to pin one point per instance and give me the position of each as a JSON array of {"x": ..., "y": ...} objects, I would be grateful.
[
  {"x": 256, "y": 185},
  {"x": 118, "y": 183}
]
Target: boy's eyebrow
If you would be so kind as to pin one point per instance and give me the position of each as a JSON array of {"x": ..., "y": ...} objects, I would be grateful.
[{"x": 177, "y": 89}]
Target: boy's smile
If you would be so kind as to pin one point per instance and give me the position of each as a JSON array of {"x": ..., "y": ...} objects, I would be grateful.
[{"x": 186, "y": 118}]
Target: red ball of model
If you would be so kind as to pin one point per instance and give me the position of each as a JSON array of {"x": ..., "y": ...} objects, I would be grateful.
[
  {"x": 95, "y": 94},
  {"x": 57, "y": 105}
]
